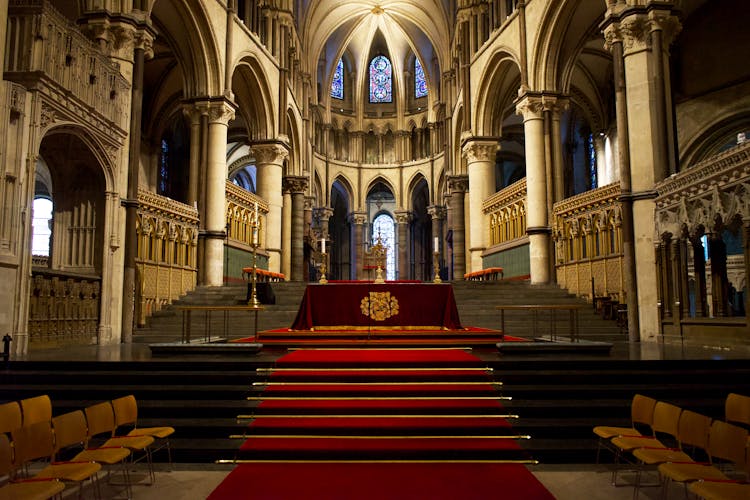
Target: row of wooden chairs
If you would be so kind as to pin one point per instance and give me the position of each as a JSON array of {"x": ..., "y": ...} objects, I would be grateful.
[
  {"x": 700, "y": 443},
  {"x": 67, "y": 440}
]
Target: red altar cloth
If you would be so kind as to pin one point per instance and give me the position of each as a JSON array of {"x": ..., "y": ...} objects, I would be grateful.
[{"x": 338, "y": 305}]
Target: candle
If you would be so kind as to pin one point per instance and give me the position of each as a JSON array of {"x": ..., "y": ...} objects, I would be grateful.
[
  {"x": 256, "y": 210},
  {"x": 323, "y": 245},
  {"x": 437, "y": 243},
  {"x": 255, "y": 235}
]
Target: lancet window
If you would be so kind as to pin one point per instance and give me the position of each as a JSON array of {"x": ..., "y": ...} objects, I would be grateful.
[
  {"x": 337, "y": 85},
  {"x": 381, "y": 80},
  {"x": 420, "y": 83}
]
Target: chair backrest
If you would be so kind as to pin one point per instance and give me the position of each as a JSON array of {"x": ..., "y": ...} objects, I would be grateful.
[
  {"x": 32, "y": 442},
  {"x": 727, "y": 442},
  {"x": 10, "y": 416},
  {"x": 694, "y": 430},
  {"x": 6, "y": 456},
  {"x": 100, "y": 418},
  {"x": 70, "y": 429},
  {"x": 737, "y": 409},
  {"x": 126, "y": 410},
  {"x": 36, "y": 409},
  {"x": 642, "y": 410},
  {"x": 667, "y": 419}
]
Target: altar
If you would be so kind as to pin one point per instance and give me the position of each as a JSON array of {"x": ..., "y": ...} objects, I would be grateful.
[{"x": 367, "y": 305}]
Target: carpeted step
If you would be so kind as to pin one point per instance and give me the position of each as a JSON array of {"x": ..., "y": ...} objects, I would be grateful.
[
  {"x": 384, "y": 406},
  {"x": 374, "y": 389},
  {"x": 375, "y": 375}
]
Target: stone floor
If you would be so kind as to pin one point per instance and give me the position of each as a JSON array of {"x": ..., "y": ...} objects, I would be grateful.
[{"x": 196, "y": 481}]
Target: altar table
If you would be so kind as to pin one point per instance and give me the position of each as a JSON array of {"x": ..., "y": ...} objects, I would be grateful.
[{"x": 365, "y": 305}]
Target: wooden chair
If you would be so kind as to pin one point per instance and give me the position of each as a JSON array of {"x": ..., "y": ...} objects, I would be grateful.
[
  {"x": 71, "y": 433},
  {"x": 10, "y": 417},
  {"x": 726, "y": 442},
  {"x": 126, "y": 414},
  {"x": 17, "y": 489},
  {"x": 666, "y": 424},
  {"x": 36, "y": 409},
  {"x": 737, "y": 410},
  {"x": 692, "y": 436},
  {"x": 641, "y": 418},
  {"x": 101, "y": 421},
  {"x": 36, "y": 442}
]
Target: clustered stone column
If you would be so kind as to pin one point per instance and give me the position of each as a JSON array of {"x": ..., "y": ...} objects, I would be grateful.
[
  {"x": 269, "y": 161},
  {"x": 480, "y": 158},
  {"x": 458, "y": 185},
  {"x": 359, "y": 221},
  {"x": 437, "y": 213}
]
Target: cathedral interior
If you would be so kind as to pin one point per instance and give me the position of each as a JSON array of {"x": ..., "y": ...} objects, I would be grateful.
[{"x": 153, "y": 146}]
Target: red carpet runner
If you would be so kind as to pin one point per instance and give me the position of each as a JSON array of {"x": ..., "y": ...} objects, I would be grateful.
[{"x": 380, "y": 424}]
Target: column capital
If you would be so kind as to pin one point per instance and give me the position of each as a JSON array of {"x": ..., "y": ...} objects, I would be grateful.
[
  {"x": 532, "y": 105},
  {"x": 458, "y": 183},
  {"x": 358, "y": 218},
  {"x": 402, "y": 216},
  {"x": 437, "y": 212},
  {"x": 309, "y": 202},
  {"x": 218, "y": 109},
  {"x": 322, "y": 213},
  {"x": 476, "y": 149},
  {"x": 295, "y": 184},
  {"x": 271, "y": 152}
]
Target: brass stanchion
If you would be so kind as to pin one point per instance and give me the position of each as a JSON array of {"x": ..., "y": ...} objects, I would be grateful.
[{"x": 436, "y": 261}]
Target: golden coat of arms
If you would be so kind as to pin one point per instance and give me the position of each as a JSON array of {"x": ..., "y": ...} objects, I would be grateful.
[{"x": 379, "y": 306}]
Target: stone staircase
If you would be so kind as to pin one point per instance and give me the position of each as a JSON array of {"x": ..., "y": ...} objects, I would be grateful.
[{"x": 476, "y": 303}]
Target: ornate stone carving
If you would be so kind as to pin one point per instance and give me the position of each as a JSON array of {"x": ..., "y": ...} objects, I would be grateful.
[
  {"x": 295, "y": 184},
  {"x": 437, "y": 212},
  {"x": 47, "y": 116},
  {"x": 530, "y": 107},
  {"x": 402, "y": 216},
  {"x": 458, "y": 183},
  {"x": 636, "y": 33},
  {"x": 480, "y": 150},
  {"x": 270, "y": 153}
]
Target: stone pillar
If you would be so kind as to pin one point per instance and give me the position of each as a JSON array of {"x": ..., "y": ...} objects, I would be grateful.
[
  {"x": 286, "y": 232},
  {"x": 269, "y": 160},
  {"x": 194, "y": 114},
  {"x": 297, "y": 185},
  {"x": 643, "y": 88},
  {"x": 307, "y": 226},
  {"x": 537, "y": 226},
  {"x": 403, "y": 217},
  {"x": 458, "y": 185},
  {"x": 359, "y": 220},
  {"x": 480, "y": 159},
  {"x": 220, "y": 112}
]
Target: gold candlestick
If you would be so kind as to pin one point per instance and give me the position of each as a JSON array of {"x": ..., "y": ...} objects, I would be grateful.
[
  {"x": 254, "y": 245},
  {"x": 323, "y": 268},
  {"x": 435, "y": 258}
]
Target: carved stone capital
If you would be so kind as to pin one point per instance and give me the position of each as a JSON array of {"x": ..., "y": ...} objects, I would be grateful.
[
  {"x": 272, "y": 152},
  {"x": 295, "y": 184},
  {"x": 480, "y": 149},
  {"x": 322, "y": 214},
  {"x": 218, "y": 109},
  {"x": 636, "y": 33},
  {"x": 437, "y": 212},
  {"x": 458, "y": 183},
  {"x": 402, "y": 216},
  {"x": 358, "y": 218},
  {"x": 531, "y": 107},
  {"x": 667, "y": 23}
]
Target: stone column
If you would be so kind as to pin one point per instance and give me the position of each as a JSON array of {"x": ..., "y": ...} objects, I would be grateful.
[
  {"x": 286, "y": 232},
  {"x": 537, "y": 226},
  {"x": 220, "y": 112},
  {"x": 359, "y": 220},
  {"x": 480, "y": 159},
  {"x": 307, "y": 228},
  {"x": 296, "y": 185},
  {"x": 403, "y": 217},
  {"x": 717, "y": 251},
  {"x": 458, "y": 185},
  {"x": 269, "y": 161},
  {"x": 646, "y": 148}
]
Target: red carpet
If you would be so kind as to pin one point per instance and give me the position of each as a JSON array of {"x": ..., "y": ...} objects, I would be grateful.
[
  {"x": 380, "y": 481},
  {"x": 380, "y": 424}
]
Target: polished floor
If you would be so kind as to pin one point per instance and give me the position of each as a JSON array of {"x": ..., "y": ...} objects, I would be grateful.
[{"x": 566, "y": 482}]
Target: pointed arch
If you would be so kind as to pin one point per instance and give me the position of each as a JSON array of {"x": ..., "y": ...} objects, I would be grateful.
[
  {"x": 254, "y": 98},
  {"x": 498, "y": 89}
]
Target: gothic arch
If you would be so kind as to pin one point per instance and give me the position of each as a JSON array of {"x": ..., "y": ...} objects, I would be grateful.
[
  {"x": 498, "y": 87},
  {"x": 414, "y": 184},
  {"x": 255, "y": 101},
  {"x": 714, "y": 135},
  {"x": 387, "y": 183},
  {"x": 346, "y": 186},
  {"x": 193, "y": 41}
]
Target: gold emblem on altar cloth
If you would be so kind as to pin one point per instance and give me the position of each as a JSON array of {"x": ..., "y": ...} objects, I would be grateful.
[{"x": 379, "y": 306}]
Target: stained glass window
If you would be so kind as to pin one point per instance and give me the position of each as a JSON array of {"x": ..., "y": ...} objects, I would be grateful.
[
  {"x": 380, "y": 80},
  {"x": 420, "y": 84},
  {"x": 337, "y": 85},
  {"x": 384, "y": 227},
  {"x": 164, "y": 168},
  {"x": 591, "y": 160},
  {"x": 40, "y": 227}
]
